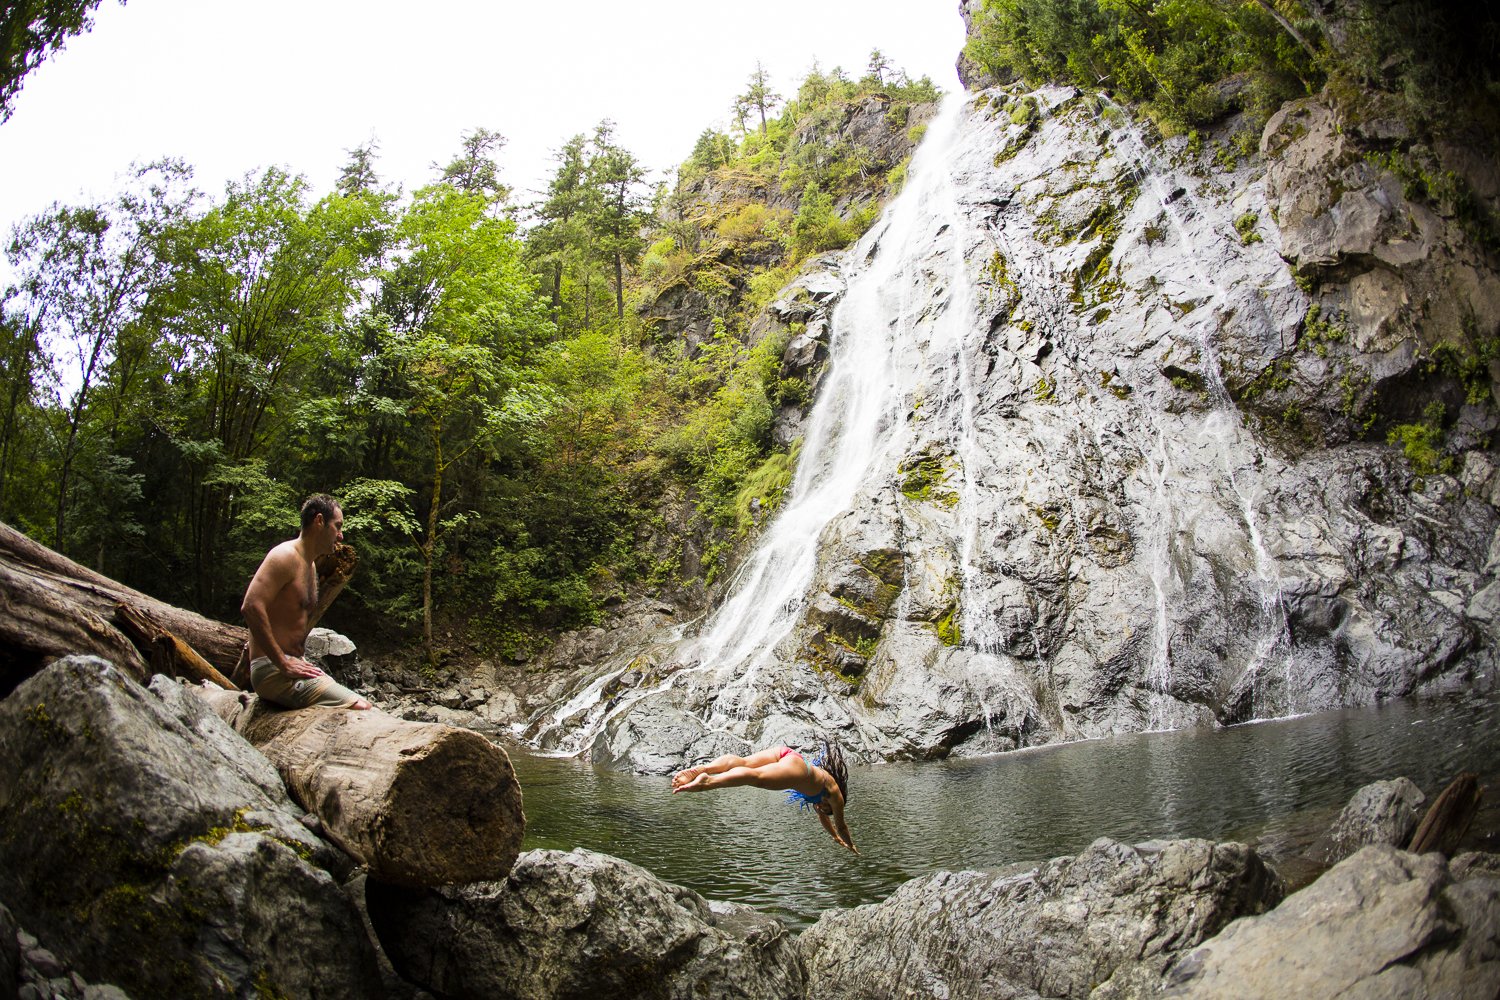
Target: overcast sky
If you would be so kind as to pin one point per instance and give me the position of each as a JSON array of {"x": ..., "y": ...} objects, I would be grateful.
[{"x": 235, "y": 87}]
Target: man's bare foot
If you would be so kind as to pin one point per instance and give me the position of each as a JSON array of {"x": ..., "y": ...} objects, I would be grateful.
[{"x": 361, "y": 705}]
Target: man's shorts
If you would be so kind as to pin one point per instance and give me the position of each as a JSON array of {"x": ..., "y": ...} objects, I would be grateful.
[{"x": 297, "y": 692}]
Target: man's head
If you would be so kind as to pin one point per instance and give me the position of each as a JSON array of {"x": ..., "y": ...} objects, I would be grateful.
[{"x": 323, "y": 522}]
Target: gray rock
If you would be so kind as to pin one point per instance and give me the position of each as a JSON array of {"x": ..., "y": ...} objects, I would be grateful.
[
  {"x": 1382, "y": 923},
  {"x": 333, "y": 652},
  {"x": 150, "y": 846},
  {"x": 582, "y": 924},
  {"x": 1126, "y": 477},
  {"x": 1383, "y": 812},
  {"x": 1104, "y": 924}
]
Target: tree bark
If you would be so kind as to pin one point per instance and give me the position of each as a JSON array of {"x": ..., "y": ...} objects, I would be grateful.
[
  {"x": 1449, "y": 817},
  {"x": 420, "y": 804},
  {"x": 169, "y": 654}
]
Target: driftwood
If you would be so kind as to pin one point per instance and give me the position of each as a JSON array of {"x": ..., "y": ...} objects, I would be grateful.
[
  {"x": 419, "y": 804},
  {"x": 169, "y": 654},
  {"x": 1448, "y": 820}
]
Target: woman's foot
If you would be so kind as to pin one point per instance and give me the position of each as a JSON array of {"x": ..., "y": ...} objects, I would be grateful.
[
  {"x": 683, "y": 777},
  {"x": 695, "y": 784}
]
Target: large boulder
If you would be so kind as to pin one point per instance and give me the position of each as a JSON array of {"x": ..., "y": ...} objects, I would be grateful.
[
  {"x": 1106, "y": 923},
  {"x": 150, "y": 847},
  {"x": 582, "y": 925},
  {"x": 1382, "y": 812},
  {"x": 1383, "y": 923}
]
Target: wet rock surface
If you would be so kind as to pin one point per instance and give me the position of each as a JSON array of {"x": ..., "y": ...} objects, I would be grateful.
[
  {"x": 581, "y": 924},
  {"x": 1383, "y": 812},
  {"x": 1106, "y": 923}
]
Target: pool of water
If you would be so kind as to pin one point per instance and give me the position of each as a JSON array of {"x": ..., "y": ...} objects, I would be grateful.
[{"x": 1277, "y": 784}]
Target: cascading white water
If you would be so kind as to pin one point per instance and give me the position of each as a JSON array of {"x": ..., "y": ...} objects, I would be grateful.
[
  {"x": 856, "y": 427},
  {"x": 921, "y": 309}
]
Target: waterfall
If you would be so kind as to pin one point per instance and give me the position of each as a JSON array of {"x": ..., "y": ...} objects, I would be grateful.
[
  {"x": 953, "y": 341},
  {"x": 856, "y": 427},
  {"x": 1223, "y": 429}
]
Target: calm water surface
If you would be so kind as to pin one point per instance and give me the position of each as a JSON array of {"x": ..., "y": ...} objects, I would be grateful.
[{"x": 1277, "y": 784}]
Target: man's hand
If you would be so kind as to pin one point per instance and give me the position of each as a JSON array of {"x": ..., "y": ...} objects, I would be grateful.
[{"x": 298, "y": 667}]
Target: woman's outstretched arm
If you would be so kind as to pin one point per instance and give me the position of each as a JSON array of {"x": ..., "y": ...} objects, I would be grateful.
[{"x": 836, "y": 828}]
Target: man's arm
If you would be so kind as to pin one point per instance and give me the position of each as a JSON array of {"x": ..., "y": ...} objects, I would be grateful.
[{"x": 277, "y": 570}]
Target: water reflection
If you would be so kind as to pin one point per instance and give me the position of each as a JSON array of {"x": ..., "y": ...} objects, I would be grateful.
[{"x": 1276, "y": 781}]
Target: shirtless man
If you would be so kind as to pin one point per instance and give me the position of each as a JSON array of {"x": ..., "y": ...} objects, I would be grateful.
[{"x": 281, "y": 595}]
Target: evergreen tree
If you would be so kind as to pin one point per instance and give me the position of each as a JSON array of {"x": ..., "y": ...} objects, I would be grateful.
[
  {"x": 617, "y": 206},
  {"x": 759, "y": 98},
  {"x": 475, "y": 170},
  {"x": 358, "y": 175}
]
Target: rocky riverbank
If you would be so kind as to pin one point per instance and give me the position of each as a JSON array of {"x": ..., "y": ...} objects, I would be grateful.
[{"x": 147, "y": 850}]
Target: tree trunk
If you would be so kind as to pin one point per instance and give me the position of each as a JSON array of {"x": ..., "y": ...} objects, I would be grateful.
[
  {"x": 1449, "y": 817},
  {"x": 169, "y": 654},
  {"x": 419, "y": 804},
  {"x": 429, "y": 548}
]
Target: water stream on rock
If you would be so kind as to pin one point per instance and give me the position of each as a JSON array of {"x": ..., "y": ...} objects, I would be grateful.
[
  {"x": 1224, "y": 431},
  {"x": 1275, "y": 784}
]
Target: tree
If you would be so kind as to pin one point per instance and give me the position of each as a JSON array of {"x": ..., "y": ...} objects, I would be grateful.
[
  {"x": 617, "y": 209},
  {"x": 560, "y": 235},
  {"x": 358, "y": 175},
  {"x": 23, "y": 366},
  {"x": 474, "y": 170},
  {"x": 879, "y": 66},
  {"x": 86, "y": 273},
  {"x": 464, "y": 320},
  {"x": 32, "y": 30},
  {"x": 261, "y": 285},
  {"x": 759, "y": 97}
]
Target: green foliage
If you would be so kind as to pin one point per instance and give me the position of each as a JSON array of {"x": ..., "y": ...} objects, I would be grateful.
[
  {"x": 1320, "y": 332},
  {"x": 32, "y": 30},
  {"x": 1422, "y": 442},
  {"x": 1168, "y": 54},
  {"x": 1245, "y": 226}
]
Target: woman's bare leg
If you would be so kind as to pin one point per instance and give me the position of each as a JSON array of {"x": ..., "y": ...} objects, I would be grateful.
[
  {"x": 776, "y": 772},
  {"x": 727, "y": 762}
]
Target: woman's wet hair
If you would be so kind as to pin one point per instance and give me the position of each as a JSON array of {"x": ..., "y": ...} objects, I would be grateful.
[{"x": 833, "y": 763}]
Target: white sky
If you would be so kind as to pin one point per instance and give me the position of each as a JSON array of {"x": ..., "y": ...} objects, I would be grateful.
[{"x": 233, "y": 88}]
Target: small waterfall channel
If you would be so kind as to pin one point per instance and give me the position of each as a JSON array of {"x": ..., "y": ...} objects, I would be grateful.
[{"x": 1223, "y": 432}]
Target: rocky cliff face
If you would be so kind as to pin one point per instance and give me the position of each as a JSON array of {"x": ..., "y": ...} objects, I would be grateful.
[{"x": 1149, "y": 443}]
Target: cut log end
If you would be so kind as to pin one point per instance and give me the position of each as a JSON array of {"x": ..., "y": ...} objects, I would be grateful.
[
  {"x": 417, "y": 803},
  {"x": 456, "y": 800}
]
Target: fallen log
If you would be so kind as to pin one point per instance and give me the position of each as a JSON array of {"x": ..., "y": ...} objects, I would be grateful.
[
  {"x": 51, "y": 606},
  {"x": 56, "y": 590},
  {"x": 1448, "y": 820},
  {"x": 419, "y": 804}
]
